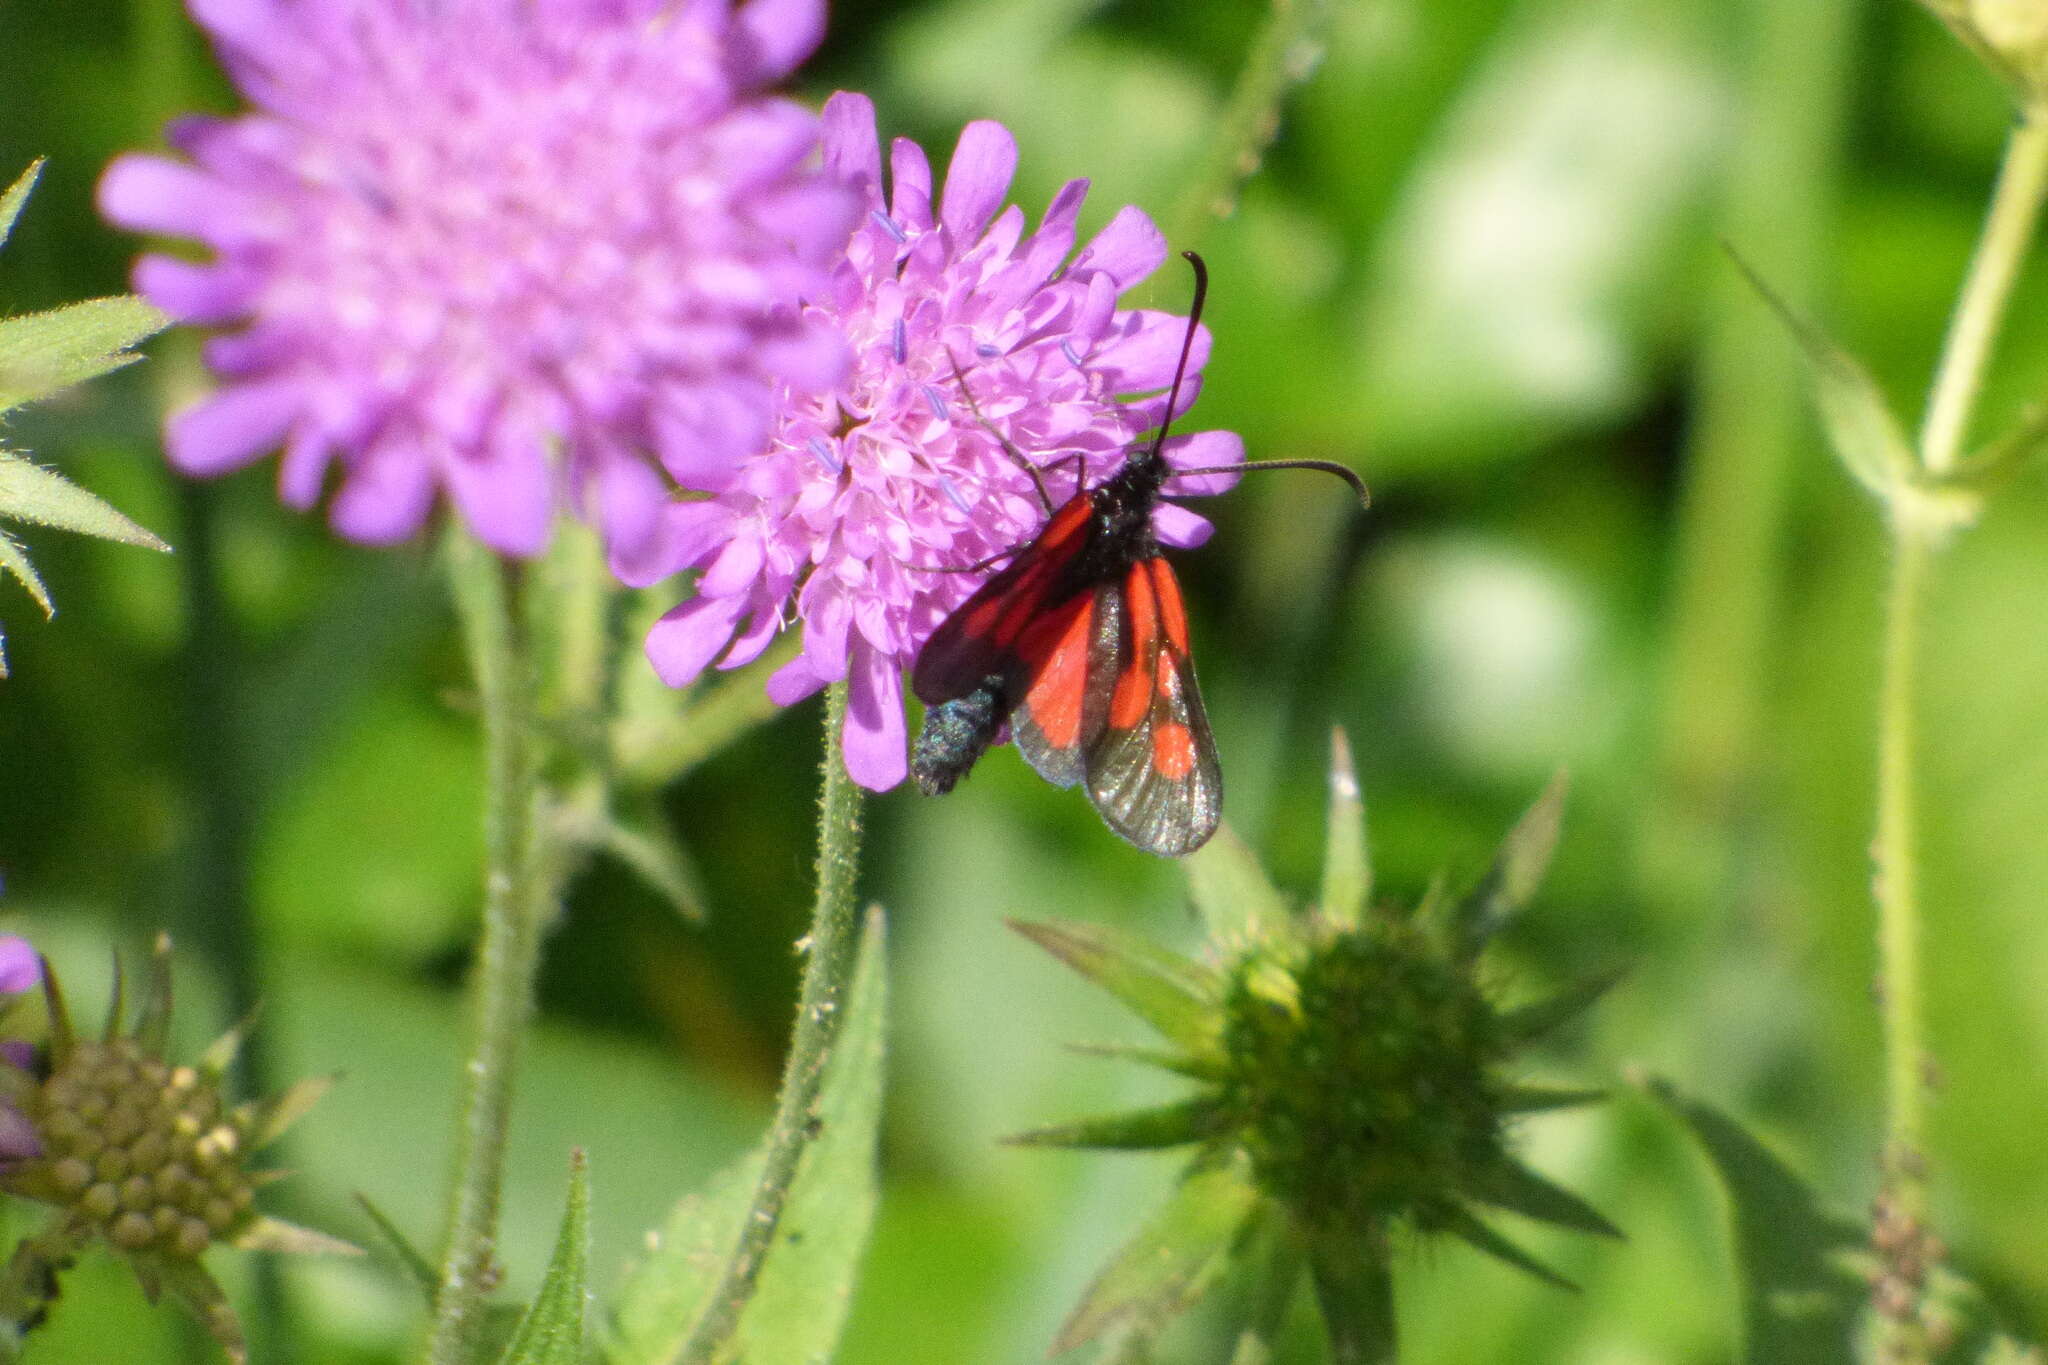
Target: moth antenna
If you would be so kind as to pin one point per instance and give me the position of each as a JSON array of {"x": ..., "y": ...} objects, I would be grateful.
[
  {"x": 1187, "y": 346},
  {"x": 1342, "y": 471}
]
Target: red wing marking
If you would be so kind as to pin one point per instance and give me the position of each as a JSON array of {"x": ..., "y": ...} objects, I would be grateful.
[
  {"x": 1055, "y": 649},
  {"x": 1140, "y": 658},
  {"x": 981, "y": 638},
  {"x": 1173, "y": 750},
  {"x": 1173, "y": 614}
]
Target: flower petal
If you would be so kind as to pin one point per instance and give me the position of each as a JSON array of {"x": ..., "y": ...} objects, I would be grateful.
[
  {"x": 910, "y": 184},
  {"x": 685, "y": 641},
  {"x": 153, "y": 194},
  {"x": 1128, "y": 248},
  {"x": 783, "y": 33},
  {"x": 1203, "y": 450},
  {"x": 1177, "y": 526},
  {"x": 21, "y": 966},
  {"x": 232, "y": 427},
  {"x": 192, "y": 292},
  {"x": 852, "y": 148},
  {"x": 386, "y": 494},
  {"x": 979, "y": 175},
  {"x": 794, "y": 681},
  {"x": 506, "y": 496},
  {"x": 874, "y": 735}
]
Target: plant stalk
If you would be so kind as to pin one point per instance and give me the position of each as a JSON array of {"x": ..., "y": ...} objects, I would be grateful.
[
  {"x": 2008, "y": 230},
  {"x": 517, "y": 899},
  {"x": 832, "y": 949}
]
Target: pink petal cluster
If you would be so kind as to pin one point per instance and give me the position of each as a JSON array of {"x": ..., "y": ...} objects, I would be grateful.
[
  {"x": 869, "y": 490},
  {"x": 534, "y": 255}
]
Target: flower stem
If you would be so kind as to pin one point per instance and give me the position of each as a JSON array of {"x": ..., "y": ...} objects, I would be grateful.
[
  {"x": 832, "y": 948},
  {"x": 517, "y": 895},
  {"x": 2009, "y": 228},
  {"x": 2015, "y": 209}
]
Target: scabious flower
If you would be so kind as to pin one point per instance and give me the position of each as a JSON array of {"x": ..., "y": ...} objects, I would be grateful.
[
  {"x": 532, "y": 255},
  {"x": 142, "y": 1155},
  {"x": 866, "y": 489},
  {"x": 1353, "y": 1085}
]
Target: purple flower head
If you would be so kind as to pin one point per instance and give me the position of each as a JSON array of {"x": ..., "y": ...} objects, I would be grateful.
[
  {"x": 532, "y": 253},
  {"x": 865, "y": 488},
  {"x": 21, "y": 969}
]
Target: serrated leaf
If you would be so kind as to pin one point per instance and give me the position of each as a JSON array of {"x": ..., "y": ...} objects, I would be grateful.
[
  {"x": 1177, "y": 997},
  {"x": 417, "y": 1267},
  {"x": 1173, "y": 1258},
  {"x": 806, "y": 1282},
  {"x": 1347, "y": 865},
  {"x": 1517, "y": 871},
  {"x": 551, "y": 1333},
  {"x": 14, "y": 560},
  {"x": 1166, "y": 1125},
  {"x": 28, "y": 492},
  {"x": 1860, "y": 425},
  {"x": 1799, "y": 1303},
  {"x": 1507, "y": 1184},
  {"x": 16, "y": 196},
  {"x": 41, "y": 353},
  {"x": 1232, "y": 893}
]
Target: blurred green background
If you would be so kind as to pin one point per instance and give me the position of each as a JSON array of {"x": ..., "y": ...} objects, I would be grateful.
[{"x": 1481, "y": 264}]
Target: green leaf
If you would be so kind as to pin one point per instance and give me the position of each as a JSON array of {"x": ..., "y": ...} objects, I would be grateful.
[
  {"x": 44, "y": 352},
  {"x": 14, "y": 560},
  {"x": 1517, "y": 871},
  {"x": 647, "y": 847},
  {"x": 1480, "y": 1237},
  {"x": 806, "y": 1283},
  {"x": 1167, "y": 1125},
  {"x": 1509, "y": 1185},
  {"x": 16, "y": 196},
  {"x": 1236, "y": 900},
  {"x": 551, "y": 1333},
  {"x": 1179, "y": 1063},
  {"x": 1860, "y": 426},
  {"x": 417, "y": 1267},
  {"x": 31, "y": 493},
  {"x": 1177, "y": 997},
  {"x": 1530, "y": 1023},
  {"x": 1347, "y": 863},
  {"x": 1540, "y": 1099},
  {"x": 1799, "y": 1302},
  {"x": 1172, "y": 1260}
]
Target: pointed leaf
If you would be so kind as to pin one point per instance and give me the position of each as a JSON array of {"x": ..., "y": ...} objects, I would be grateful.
[
  {"x": 274, "y": 1234},
  {"x": 1168, "y": 1125},
  {"x": 1173, "y": 1258},
  {"x": 1237, "y": 901},
  {"x": 189, "y": 1280},
  {"x": 28, "y": 492},
  {"x": 16, "y": 196},
  {"x": 1177, "y": 997},
  {"x": 1480, "y": 1237},
  {"x": 806, "y": 1283},
  {"x": 1347, "y": 864},
  {"x": 1355, "y": 1289},
  {"x": 1860, "y": 426},
  {"x": 267, "y": 1120},
  {"x": 153, "y": 1023},
  {"x": 1541, "y": 1099},
  {"x": 1179, "y": 1063},
  {"x": 551, "y": 1333},
  {"x": 14, "y": 560},
  {"x": 659, "y": 859},
  {"x": 1799, "y": 1303},
  {"x": 417, "y": 1267},
  {"x": 1530, "y": 1023},
  {"x": 1517, "y": 871},
  {"x": 221, "y": 1053},
  {"x": 44, "y": 352},
  {"x": 1507, "y": 1184}
]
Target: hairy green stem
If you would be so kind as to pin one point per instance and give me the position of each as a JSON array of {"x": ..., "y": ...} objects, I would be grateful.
[
  {"x": 517, "y": 898},
  {"x": 1283, "y": 55},
  {"x": 2009, "y": 228},
  {"x": 832, "y": 951},
  {"x": 2015, "y": 210}
]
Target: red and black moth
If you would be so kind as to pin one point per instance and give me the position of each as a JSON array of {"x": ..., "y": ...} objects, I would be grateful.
[{"x": 1080, "y": 645}]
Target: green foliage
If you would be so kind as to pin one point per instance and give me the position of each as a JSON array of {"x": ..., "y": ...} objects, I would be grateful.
[
  {"x": 805, "y": 1287},
  {"x": 551, "y": 1333}
]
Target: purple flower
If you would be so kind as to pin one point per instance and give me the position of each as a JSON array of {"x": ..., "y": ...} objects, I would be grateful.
[
  {"x": 534, "y": 253},
  {"x": 866, "y": 488},
  {"x": 21, "y": 969}
]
